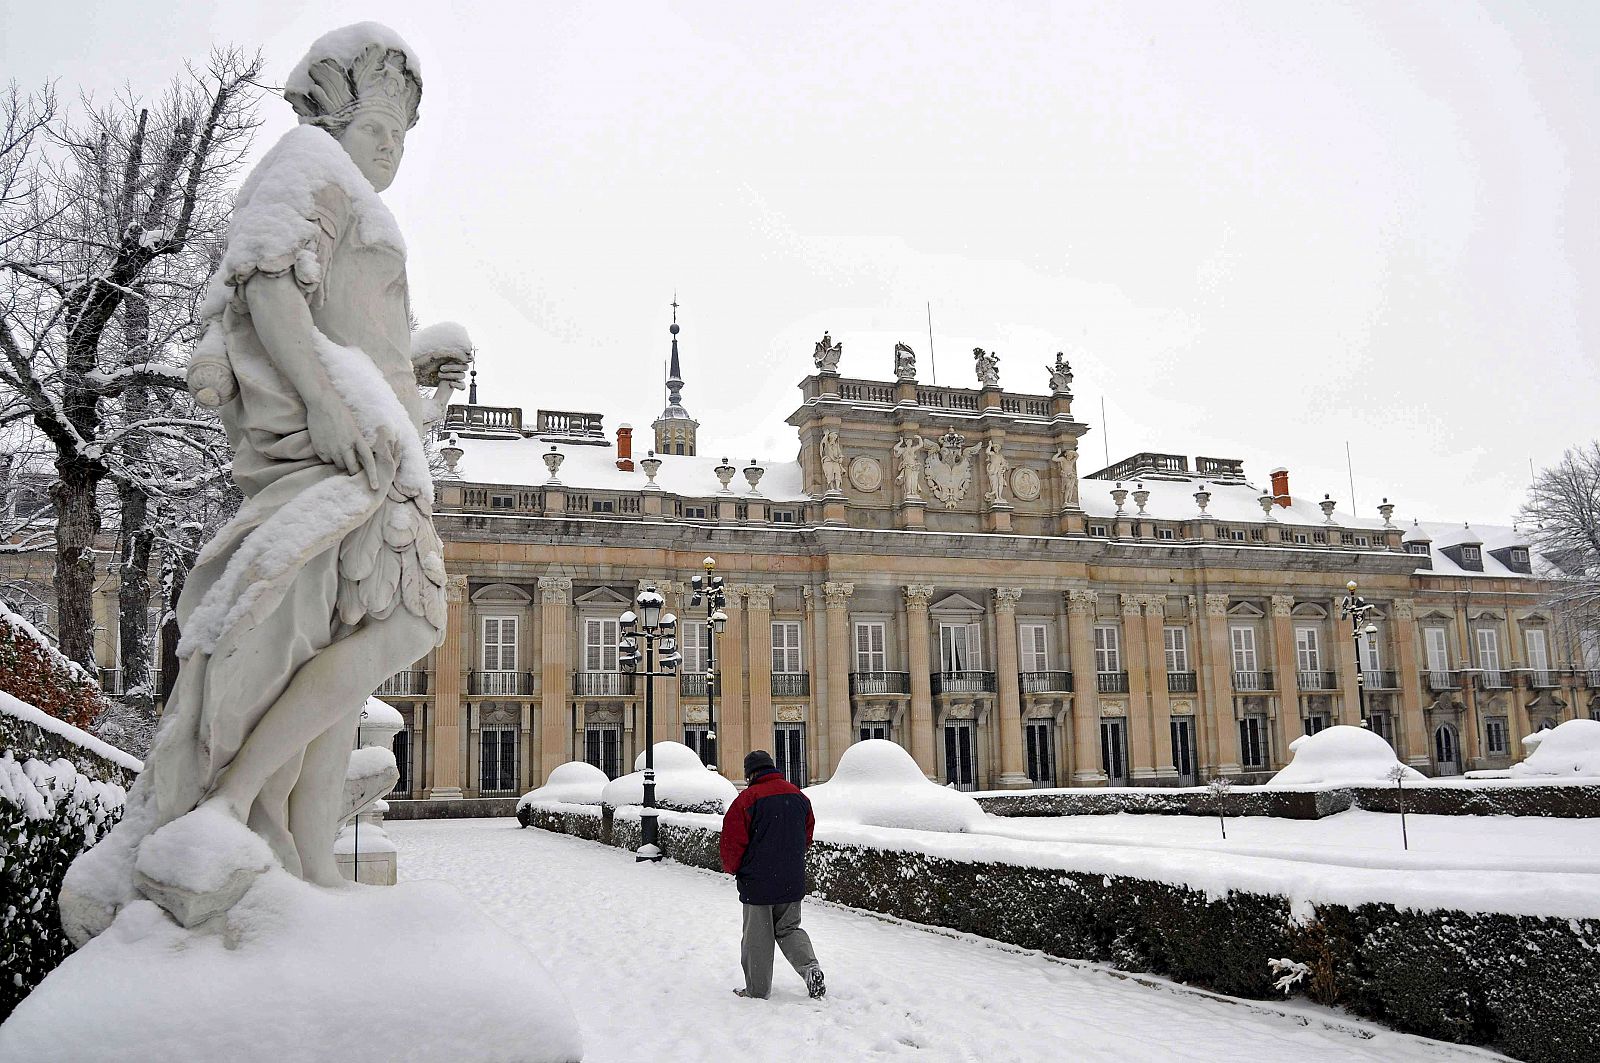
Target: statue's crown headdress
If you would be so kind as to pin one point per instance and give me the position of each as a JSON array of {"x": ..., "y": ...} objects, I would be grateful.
[{"x": 360, "y": 66}]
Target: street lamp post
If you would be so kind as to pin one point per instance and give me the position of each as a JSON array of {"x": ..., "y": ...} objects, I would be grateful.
[
  {"x": 659, "y": 633},
  {"x": 1357, "y": 609},
  {"x": 709, "y": 592}
]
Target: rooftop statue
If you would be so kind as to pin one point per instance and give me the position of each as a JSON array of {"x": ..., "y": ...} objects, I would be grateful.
[
  {"x": 987, "y": 366},
  {"x": 1060, "y": 376},
  {"x": 905, "y": 362},
  {"x": 826, "y": 355}
]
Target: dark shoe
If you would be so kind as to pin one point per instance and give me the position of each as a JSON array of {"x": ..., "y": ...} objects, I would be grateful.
[
  {"x": 814, "y": 984},
  {"x": 742, "y": 993}
]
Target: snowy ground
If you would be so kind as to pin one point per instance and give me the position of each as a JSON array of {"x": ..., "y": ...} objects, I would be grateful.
[{"x": 649, "y": 955}]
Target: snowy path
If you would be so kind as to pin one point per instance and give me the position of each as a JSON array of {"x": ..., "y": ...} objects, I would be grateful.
[{"x": 649, "y": 957}]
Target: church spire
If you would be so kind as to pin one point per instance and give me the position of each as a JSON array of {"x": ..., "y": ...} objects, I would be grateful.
[
  {"x": 675, "y": 429},
  {"x": 674, "y": 371}
]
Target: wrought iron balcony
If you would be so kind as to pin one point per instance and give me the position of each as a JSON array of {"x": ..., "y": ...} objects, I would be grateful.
[
  {"x": 694, "y": 684},
  {"x": 791, "y": 684},
  {"x": 412, "y": 682},
  {"x": 602, "y": 684},
  {"x": 1045, "y": 682},
  {"x": 880, "y": 682},
  {"x": 1316, "y": 680},
  {"x": 1438, "y": 680},
  {"x": 963, "y": 682},
  {"x": 1592, "y": 677},
  {"x": 1181, "y": 683},
  {"x": 1378, "y": 679},
  {"x": 1494, "y": 679},
  {"x": 502, "y": 683},
  {"x": 1111, "y": 682},
  {"x": 1543, "y": 678},
  {"x": 1251, "y": 681}
]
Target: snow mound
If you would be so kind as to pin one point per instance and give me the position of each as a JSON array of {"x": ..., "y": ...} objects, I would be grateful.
[
  {"x": 1341, "y": 754},
  {"x": 377, "y": 713},
  {"x": 38, "y": 717},
  {"x": 1569, "y": 750},
  {"x": 682, "y": 782},
  {"x": 576, "y": 782},
  {"x": 877, "y": 784}
]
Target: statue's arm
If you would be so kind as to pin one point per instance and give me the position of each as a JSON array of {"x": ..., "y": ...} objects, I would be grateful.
[{"x": 287, "y": 333}]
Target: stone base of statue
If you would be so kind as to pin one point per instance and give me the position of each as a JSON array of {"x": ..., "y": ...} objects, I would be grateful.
[
  {"x": 913, "y": 513},
  {"x": 364, "y": 851},
  {"x": 997, "y": 517},
  {"x": 288, "y": 973}
]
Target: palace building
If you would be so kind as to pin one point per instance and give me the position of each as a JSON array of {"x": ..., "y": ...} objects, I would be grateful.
[{"x": 933, "y": 568}]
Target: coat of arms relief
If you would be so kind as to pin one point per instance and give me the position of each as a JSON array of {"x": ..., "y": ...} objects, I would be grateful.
[{"x": 947, "y": 467}]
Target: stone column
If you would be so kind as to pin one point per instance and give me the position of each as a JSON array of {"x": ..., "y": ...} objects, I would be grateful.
[
  {"x": 1013, "y": 771},
  {"x": 555, "y": 623},
  {"x": 1216, "y": 686},
  {"x": 815, "y": 658},
  {"x": 1155, "y": 613},
  {"x": 1467, "y": 730},
  {"x": 1141, "y": 748},
  {"x": 445, "y": 741},
  {"x": 1085, "y": 699},
  {"x": 1284, "y": 663},
  {"x": 837, "y": 596},
  {"x": 1518, "y": 719},
  {"x": 1344, "y": 666},
  {"x": 733, "y": 736},
  {"x": 759, "y": 599},
  {"x": 920, "y": 665},
  {"x": 669, "y": 692},
  {"x": 1413, "y": 731}
]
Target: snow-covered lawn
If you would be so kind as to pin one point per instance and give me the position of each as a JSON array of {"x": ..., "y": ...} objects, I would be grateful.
[{"x": 649, "y": 955}]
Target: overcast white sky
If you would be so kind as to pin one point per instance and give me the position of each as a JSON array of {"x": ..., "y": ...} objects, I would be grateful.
[{"x": 1257, "y": 230}]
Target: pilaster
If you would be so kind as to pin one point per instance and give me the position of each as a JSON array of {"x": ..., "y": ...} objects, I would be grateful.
[
  {"x": 733, "y": 733},
  {"x": 555, "y": 627},
  {"x": 1413, "y": 736},
  {"x": 1216, "y": 680},
  {"x": 920, "y": 664},
  {"x": 837, "y": 596},
  {"x": 1288, "y": 725},
  {"x": 1344, "y": 665},
  {"x": 1013, "y": 772},
  {"x": 1141, "y": 749},
  {"x": 758, "y": 599},
  {"x": 445, "y": 741},
  {"x": 1155, "y": 612},
  {"x": 1085, "y": 702}
]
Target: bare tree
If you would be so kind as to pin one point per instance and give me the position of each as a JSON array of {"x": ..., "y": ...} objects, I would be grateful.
[
  {"x": 109, "y": 227},
  {"x": 1562, "y": 518}
]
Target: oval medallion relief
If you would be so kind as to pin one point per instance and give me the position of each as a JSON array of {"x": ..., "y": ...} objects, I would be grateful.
[
  {"x": 1025, "y": 484},
  {"x": 866, "y": 474}
]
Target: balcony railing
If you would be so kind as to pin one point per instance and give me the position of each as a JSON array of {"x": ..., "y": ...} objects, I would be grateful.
[
  {"x": 1378, "y": 679},
  {"x": 880, "y": 682},
  {"x": 111, "y": 681},
  {"x": 1316, "y": 680},
  {"x": 1111, "y": 682},
  {"x": 404, "y": 683},
  {"x": 1543, "y": 678},
  {"x": 500, "y": 683},
  {"x": 963, "y": 682},
  {"x": 694, "y": 684},
  {"x": 791, "y": 684},
  {"x": 1181, "y": 683},
  {"x": 1592, "y": 677},
  {"x": 1441, "y": 680},
  {"x": 1045, "y": 682},
  {"x": 602, "y": 684},
  {"x": 1252, "y": 680},
  {"x": 1494, "y": 679}
]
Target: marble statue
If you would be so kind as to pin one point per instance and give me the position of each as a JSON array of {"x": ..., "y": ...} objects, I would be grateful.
[
  {"x": 832, "y": 461},
  {"x": 995, "y": 467},
  {"x": 1066, "y": 463},
  {"x": 909, "y": 454},
  {"x": 905, "y": 362},
  {"x": 949, "y": 468},
  {"x": 826, "y": 355},
  {"x": 1060, "y": 376},
  {"x": 331, "y": 578},
  {"x": 987, "y": 366}
]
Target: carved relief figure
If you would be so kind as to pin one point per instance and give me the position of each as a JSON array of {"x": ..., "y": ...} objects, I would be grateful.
[
  {"x": 908, "y": 454},
  {"x": 832, "y": 461},
  {"x": 826, "y": 355},
  {"x": 905, "y": 362},
  {"x": 987, "y": 366},
  {"x": 331, "y": 577},
  {"x": 949, "y": 468},
  {"x": 1066, "y": 463},
  {"x": 995, "y": 467},
  {"x": 1060, "y": 376}
]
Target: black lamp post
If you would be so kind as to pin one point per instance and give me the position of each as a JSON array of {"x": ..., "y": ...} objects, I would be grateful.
[
  {"x": 709, "y": 592},
  {"x": 659, "y": 633},
  {"x": 1357, "y": 609}
]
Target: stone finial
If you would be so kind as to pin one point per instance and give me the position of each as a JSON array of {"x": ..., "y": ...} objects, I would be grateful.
[
  {"x": 1060, "y": 376},
  {"x": 1140, "y": 496},
  {"x": 1202, "y": 498},
  {"x": 1267, "y": 506},
  {"x": 451, "y": 453},
  {"x": 905, "y": 363},
  {"x": 1327, "y": 506},
  {"x": 552, "y": 461},
  {"x": 1386, "y": 511},
  {"x": 1119, "y": 495},
  {"x": 725, "y": 473},
  {"x": 651, "y": 465},
  {"x": 752, "y": 476}
]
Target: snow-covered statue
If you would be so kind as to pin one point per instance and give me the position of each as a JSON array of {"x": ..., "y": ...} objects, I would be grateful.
[
  {"x": 1066, "y": 462},
  {"x": 827, "y": 353},
  {"x": 909, "y": 453},
  {"x": 1060, "y": 375},
  {"x": 905, "y": 362},
  {"x": 987, "y": 366},
  {"x": 331, "y": 578},
  {"x": 995, "y": 467},
  {"x": 832, "y": 461}
]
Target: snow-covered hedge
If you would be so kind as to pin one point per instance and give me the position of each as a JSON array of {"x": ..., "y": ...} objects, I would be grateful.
[
  {"x": 683, "y": 783},
  {"x": 576, "y": 782},
  {"x": 33, "y": 671},
  {"x": 878, "y": 784},
  {"x": 1342, "y": 754},
  {"x": 1569, "y": 751},
  {"x": 1527, "y": 985}
]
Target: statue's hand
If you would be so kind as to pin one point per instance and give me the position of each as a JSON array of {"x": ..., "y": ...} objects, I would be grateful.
[
  {"x": 338, "y": 440},
  {"x": 453, "y": 374}
]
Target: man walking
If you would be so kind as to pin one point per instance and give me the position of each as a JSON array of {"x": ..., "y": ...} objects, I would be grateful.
[{"x": 764, "y": 840}]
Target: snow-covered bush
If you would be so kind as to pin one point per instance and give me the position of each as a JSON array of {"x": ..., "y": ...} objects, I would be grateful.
[
  {"x": 35, "y": 672},
  {"x": 1568, "y": 751},
  {"x": 1341, "y": 754},
  {"x": 683, "y": 783},
  {"x": 576, "y": 782},
  {"x": 877, "y": 784}
]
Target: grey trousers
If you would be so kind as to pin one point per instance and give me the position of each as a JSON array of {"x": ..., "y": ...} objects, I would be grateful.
[{"x": 765, "y": 924}]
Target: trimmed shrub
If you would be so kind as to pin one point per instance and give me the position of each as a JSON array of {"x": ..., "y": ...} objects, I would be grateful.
[
  {"x": 33, "y": 671},
  {"x": 1569, "y": 801}
]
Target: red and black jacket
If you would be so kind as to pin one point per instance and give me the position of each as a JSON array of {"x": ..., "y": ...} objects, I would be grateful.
[{"x": 764, "y": 838}]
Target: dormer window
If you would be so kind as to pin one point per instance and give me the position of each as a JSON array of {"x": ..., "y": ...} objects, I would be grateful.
[
  {"x": 1519, "y": 556},
  {"x": 1471, "y": 553},
  {"x": 1417, "y": 548}
]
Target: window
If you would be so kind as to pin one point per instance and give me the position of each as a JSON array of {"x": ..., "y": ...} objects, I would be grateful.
[
  {"x": 1033, "y": 644},
  {"x": 1244, "y": 648},
  {"x": 870, "y": 656},
  {"x": 697, "y": 736},
  {"x": 1380, "y": 725},
  {"x": 1519, "y": 556},
  {"x": 1165, "y": 534},
  {"x": 1040, "y": 736},
  {"x": 601, "y": 747},
  {"x": 1183, "y": 759},
  {"x": 1471, "y": 553},
  {"x": 1253, "y": 741},
  {"x": 498, "y": 763},
  {"x": 599, "y": 645},
  {"x": 959, "y": 760},
  {"x": 1417, "y": 548},
  {"x": 1176, "y": 640},
  {"x": 1099, "y": 530},
  {"x": 1488, "y": 649},
  {"x": 1438, "y": 647},
  {"x": 783, "y": 516},
  {"x": 694, "y": 512},
  {"x": 785, "y": 647},
  {"x": 1367, "y": 650},
  {"x": 1307, "y": 651},
  {"x": 499, "y": 649},
  {"x": 602, "y": 505},
  {"x": 1114, "y": 751},
  {"x": 1494, "y": 736},
  {"x": 1107, "y": 648},
  {"x": 402, "y": 760},
  {"x": 1300, "y": 539},
  {"x": 692, "y": 644},
  {"x": 869, "y": 731},
  {"x": 1362, "y": 540},
  {"x": 960, "y": 648},
  {"x": 789, "y": 751},
  {"x": 1315, "y": 722},
  {"x": 1538, "y": 651},
  {"x": 502, "y": 501},
  {"x": 1589, "y": 645},
  {"x": 1236, "y": 534}
]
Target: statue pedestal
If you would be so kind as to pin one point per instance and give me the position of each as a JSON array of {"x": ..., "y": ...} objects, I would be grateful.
[
  {"x": 997, "y": 518},
  {"x": 833, "y": 504},
  {"x": 367, "y": 855},
  {"x": 913, "y": 513}
]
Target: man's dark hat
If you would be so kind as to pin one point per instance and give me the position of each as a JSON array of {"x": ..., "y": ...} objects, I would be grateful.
[{"x": 757, "y": 761}]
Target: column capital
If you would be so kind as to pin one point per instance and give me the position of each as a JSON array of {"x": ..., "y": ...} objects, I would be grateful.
[
  {"x": 1132, "y": 604},
  {"x": 1282, "y": 604},
  {"x": 759, "y": 595},
  {"x": 1154, "y": 604},
  {"x": 1404, "y": 609},
  {"x": 555, "y": 590},
  {"x": 838, "y": 594},
  {"x": 1082, "y": 602},
  {"x": 1006, "y": 599},
  {"x": 808, "y": 595},
  {"x": 918, "y": 595},
  {"x": 1216, "y": 605},
  {"x": 455, "y": 589}
]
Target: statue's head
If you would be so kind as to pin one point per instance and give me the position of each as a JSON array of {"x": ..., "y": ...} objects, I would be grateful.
[{"x": 363, "y": 85}]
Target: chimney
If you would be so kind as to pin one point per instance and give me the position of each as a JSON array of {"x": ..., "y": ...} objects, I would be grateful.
[
  {"x": 1280, "y": 487},
  {"x": 625, "y": 447}
]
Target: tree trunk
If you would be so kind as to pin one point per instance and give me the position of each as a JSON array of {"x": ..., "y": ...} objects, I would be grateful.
[
  {"x": 77, "y": 528},
  {"x": 178, "y": 560},
  {"x": 138, "y": 531}
]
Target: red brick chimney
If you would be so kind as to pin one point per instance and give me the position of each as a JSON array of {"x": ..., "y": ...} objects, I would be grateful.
[
  {"x": 1280, "y": 487},
  {"x": 625, "y": 447}
]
